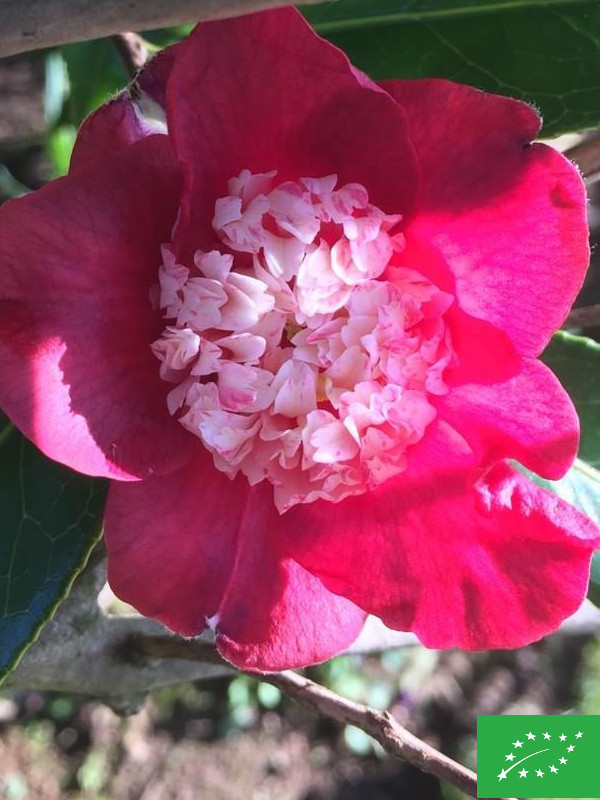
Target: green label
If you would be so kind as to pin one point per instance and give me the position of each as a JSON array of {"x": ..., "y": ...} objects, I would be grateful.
[{"x": 546, "y": 756}]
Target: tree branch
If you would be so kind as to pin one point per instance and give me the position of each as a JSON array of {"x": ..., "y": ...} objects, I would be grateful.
[
  {"x": 32, "y": 24},
  {"x": 586, "y": 155},
  {"x": 132, "y": 50},
  {"x": 585, "y": 317},
  {"x": 382, "y": 726}
]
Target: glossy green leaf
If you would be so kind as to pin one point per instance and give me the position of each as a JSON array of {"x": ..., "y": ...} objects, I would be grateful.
[
  {"x": 575, "y": 360},
  {"x": 50, "y": 518},
  {"x": 544, "y": 51},
  {"x": 357, "y": 13}
]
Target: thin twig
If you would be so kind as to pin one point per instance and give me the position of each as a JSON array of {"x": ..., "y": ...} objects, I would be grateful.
[
  {"x": 585, "y": 317},
  {"x": 382, "y": 726},
  {"x": 133, "y": 51},
  {"x": 32, "y": 24}
]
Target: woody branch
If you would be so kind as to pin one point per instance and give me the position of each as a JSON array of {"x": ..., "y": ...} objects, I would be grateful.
[{"x": 33, "y": 24}]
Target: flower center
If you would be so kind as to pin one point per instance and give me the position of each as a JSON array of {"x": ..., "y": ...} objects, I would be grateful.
[{"x": 300, "y": 354}]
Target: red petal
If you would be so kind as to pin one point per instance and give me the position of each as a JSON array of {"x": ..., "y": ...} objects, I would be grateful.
[
  {"x": 507, "y": 218},
  {"x": 113, "y": 127},
  {"x": 192, "y": 545},
  {"x": 154, "y": 77},
  {"x": 483, "y": 354},
  {"x": 122, "y": 121},
  {"x": 77, "y": 260},
  {"x": 491, "y": 565},
  {"x": 277, "y": 615},
  {"x": 263, "y": 92},
  {"x": 528, "y": 417}
]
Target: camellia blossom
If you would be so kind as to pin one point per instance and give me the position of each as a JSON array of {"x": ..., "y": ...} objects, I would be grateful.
[{"x": 294, "y": 315}]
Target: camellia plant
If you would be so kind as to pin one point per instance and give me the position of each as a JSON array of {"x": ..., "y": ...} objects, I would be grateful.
[{"x": 294, "y": 316}]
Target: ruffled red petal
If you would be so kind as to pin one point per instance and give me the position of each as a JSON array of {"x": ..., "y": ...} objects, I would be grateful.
[
  {"x": 507, "y": 218},
  {"x": 78, "y": 260},
  {"x": 263, "y": 92},
  {"x": 528, "y": 417},
  {"x": 492, "y": 563},
  {"x": 194, "y": 546},
  {"x": 483, "y": 354}
]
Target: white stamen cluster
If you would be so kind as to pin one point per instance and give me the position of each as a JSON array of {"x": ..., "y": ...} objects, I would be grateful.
[{"x": 300, "y": 354}]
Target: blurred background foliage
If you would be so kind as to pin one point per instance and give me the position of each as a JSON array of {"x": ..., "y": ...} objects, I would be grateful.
[{"x": 240, "y": 739}]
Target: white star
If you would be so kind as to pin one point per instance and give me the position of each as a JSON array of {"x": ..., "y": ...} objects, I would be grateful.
[
  {"x": 531, "y": 735},
  {"x": 563, "y": 737},
  {"x": 523, "y": 773},
  {"x": 570, "y": 748},
  {"x": 553, "y": 768},
  {"x": 578, "y": 735},
  {"x": 510, "y": 757},
  {"x": 502, "y": 775},
  {"x": 517, "y": 744},
  {"x": 546, "y": 736},
  {"x": 563, "y": 761},
  {"x": 539, "y": 773}
]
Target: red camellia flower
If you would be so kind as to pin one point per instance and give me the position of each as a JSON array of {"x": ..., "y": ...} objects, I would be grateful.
[{"x": 295, "y": 315}]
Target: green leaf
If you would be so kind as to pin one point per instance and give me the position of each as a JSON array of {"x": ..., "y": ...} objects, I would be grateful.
[
  {"x": 56, "y": 85},
  {"x": 50, "y": 518},
  {"x": 357, "y": 13},
  {"x": 544, "y": 51},
  {"x": 9, "y": 186},
  {"x": 95, "y": 74},
  {"x": 59, "y": 147},
  {"x": 575, "y": 360},
  {"x": 594, "y": 590},
  {"x": 163, "y": 37}
]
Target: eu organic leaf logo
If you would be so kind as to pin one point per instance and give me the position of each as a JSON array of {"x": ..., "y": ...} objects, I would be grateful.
[
  {"x": 538, "y": 756},
  {"x": 557, "y": 752}
]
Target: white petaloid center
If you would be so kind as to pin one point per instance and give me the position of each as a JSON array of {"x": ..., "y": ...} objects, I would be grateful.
[{"x": 299, "y": 353}]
